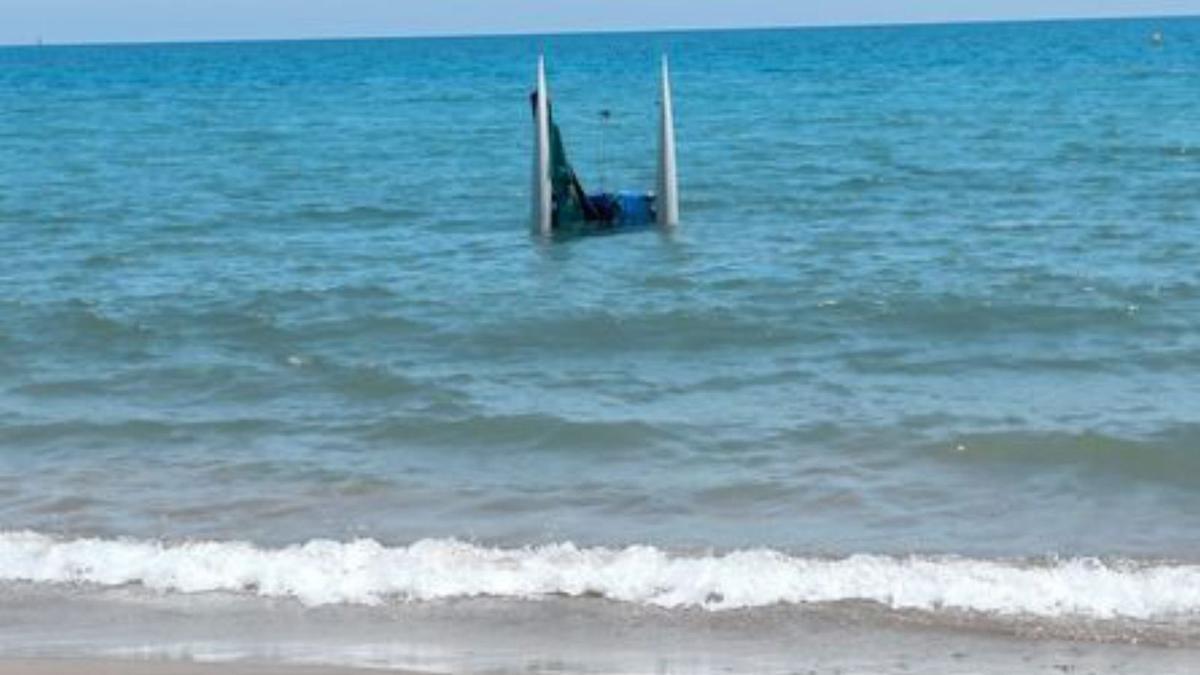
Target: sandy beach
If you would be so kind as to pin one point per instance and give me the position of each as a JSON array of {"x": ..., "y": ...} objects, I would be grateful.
[{"x": 104, "y": 667}]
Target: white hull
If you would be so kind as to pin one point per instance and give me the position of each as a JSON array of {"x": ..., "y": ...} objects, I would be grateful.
[
  {"x": 543, "y": 200},
  {"x": 668, "y": 179}
]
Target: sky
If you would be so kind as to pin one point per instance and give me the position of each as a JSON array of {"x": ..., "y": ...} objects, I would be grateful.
[{"x": 69, "y": 21}]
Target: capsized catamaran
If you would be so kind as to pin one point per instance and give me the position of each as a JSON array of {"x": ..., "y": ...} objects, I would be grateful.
[{"x": 559, "y": 199}]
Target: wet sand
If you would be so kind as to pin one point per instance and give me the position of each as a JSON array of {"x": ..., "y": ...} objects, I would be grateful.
[
  {"x": 1055, "y": 661},
  {"x": 51, "y": 630}
]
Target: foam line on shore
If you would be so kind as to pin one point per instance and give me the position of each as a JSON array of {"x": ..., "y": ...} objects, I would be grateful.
[{"x": 367, "y": 572}]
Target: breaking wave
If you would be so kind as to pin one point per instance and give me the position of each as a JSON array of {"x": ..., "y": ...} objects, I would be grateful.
[{"x": 367, "y": 572}]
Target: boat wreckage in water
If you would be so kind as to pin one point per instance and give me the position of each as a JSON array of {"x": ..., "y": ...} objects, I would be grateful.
[{"x": 559, "y": 199}]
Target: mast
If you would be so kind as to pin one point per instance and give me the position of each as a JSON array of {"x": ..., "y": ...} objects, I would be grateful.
[{"x": 668, "y": 179}]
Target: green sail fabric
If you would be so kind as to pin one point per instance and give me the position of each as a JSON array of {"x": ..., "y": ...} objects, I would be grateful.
[{"x": 569, "y": 197}]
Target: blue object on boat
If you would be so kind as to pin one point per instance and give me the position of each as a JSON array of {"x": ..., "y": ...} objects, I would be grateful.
[
  {"x": 635, "y": 208},
  {"x": 623, "y": 208}
]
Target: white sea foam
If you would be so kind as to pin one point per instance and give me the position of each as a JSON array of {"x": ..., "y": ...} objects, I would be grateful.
[{"x": 366, "y": 572}]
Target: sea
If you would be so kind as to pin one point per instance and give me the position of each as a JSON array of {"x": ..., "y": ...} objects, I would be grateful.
[{"x": 914, "y": 385}]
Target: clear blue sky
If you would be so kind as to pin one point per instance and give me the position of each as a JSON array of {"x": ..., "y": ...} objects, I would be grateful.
[{"x": 24, "y": 21}]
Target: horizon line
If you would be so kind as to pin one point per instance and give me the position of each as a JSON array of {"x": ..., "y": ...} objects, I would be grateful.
[{"x": 569, "y": 32}]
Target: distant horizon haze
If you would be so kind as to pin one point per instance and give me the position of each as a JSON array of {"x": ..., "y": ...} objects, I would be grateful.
[{"x": 122, "y": 21}]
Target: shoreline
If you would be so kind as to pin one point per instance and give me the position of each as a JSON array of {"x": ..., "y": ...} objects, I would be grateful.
[{"x": 57, "y": 631}]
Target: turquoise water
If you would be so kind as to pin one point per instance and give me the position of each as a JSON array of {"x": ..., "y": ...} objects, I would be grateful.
[{"x": 935, "y": 292}]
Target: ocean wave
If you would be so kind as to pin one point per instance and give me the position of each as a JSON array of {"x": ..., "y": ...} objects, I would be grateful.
[
  {"x": 534, "y": 431},
  {"x": 367, "y": 572},
  {"x": 1164, "y": 454},
  {"x": 606, "y": 331}
]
